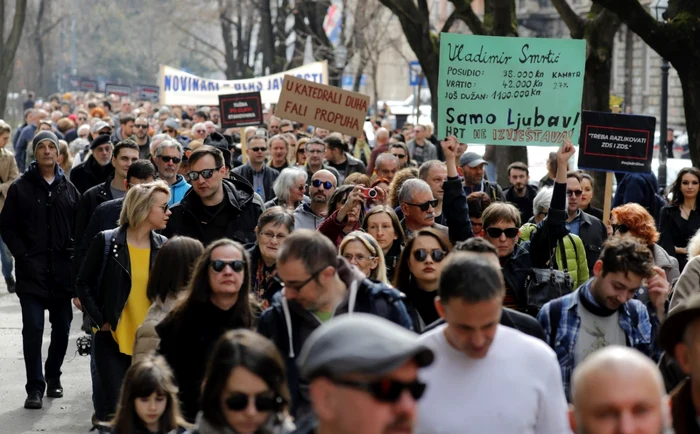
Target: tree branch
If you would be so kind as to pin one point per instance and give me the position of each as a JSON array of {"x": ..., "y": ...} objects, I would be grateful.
[
  {"x": 52, "y": 26},
  {"x": 466, "y": 13},
  {"x": 574, "y": 22},
  {"x": 198, "y": 39},
  {"x": 636, "y": 17},
  {"x": 423, "y": 7},
  {"x": 205, "y": 54},
  {"x": 9, "y": 48}
]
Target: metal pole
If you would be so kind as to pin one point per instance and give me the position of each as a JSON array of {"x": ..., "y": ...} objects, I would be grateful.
[{"x": 664, "y": 123}]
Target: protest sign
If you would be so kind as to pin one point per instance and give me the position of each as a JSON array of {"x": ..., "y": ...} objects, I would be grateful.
[
  {"x": 181, "y": 88},
  {"x": 322, "y": 106},
  {"x": 240, "y": 110},
  {"x": 147, "y": 93},
  {"x": 616, "y": 143},
  {"x": 510, "y": 91},
  {"x": 88, "y": 85},
  {"x": 118, "y": 89}
]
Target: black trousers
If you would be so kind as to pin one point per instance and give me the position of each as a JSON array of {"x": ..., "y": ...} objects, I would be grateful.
[{"x": 111, "y": 367}]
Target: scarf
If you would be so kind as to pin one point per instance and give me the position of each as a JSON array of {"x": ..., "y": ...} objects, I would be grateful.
[{"x": 587, "y": 300}]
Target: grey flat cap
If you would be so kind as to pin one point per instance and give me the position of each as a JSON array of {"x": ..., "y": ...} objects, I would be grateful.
[
  {"x": 471, "y": 159},
  {"x": 360, "y": 344},
  {"x": 171, "y": 123},
  {"x": 99, "y": 125}
]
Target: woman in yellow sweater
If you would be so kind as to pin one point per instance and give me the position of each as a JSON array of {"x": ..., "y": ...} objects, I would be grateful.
[{"x": 112, "y": 283}]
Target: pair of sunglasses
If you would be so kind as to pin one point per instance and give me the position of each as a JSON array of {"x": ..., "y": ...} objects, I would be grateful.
[
  {"x": 497, "y": 232},
  {"x": 385, "y": 390},
  {"x": 219, "y": 265},
  {"x": 258, "y": 149},
  {"x": 421, "y": 255},
  {"x": 206, "y": 174},
  {"x": 263, "y": 402},
  {"x": 327, "y": 185},
  {"x": 167, "y": 159},
  {"x": 621, "y": 228},
  {"x": 425, "y": 205}
]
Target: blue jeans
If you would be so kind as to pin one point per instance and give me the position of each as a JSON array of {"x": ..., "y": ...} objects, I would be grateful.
[
  {"x": 98, "y": 396},
  {"x": 6, "y": 260},
  {"x": 60, "y": 316}
]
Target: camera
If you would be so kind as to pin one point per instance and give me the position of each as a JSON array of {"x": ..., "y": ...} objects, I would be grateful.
[{"x": 369, "y": 193}]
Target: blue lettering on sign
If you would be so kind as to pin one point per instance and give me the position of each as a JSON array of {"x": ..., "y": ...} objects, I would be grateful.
[{"x": 167, "y": 82}]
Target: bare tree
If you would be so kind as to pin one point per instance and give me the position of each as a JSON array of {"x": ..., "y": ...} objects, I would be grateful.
[{"x": 8, "y": 47}]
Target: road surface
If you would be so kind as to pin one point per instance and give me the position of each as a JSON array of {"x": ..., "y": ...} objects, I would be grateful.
[{"x": 68, "y": 415}]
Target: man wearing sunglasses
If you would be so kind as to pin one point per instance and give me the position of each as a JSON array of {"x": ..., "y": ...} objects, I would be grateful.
[
  {"x": 591, "y": 230},
  {"x": 168, "y": 159},
  {"x": 311, "y": 215},
  {"x": 141, "y": 136},
  {"x": 370, "y": 389},
  {"x": 260, "y": 176},
  {"x": 318, "y": 285},
  {"x": 215, "y": 207},
  {"x": 487, "y": 378}
]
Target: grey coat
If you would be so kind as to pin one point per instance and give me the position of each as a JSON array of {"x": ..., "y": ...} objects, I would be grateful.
[{"x": 429, "y": 151}]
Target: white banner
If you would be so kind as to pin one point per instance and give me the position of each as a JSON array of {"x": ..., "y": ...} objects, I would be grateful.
[{"x": 181, "y": 88}]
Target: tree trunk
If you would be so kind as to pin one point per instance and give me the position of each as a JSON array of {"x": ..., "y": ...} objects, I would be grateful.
[
  {"x": 39, "y": 46},
  {"x": 629, "y": 69},
  {"x": 8, "y": 48},
  {"x": 358, "y": 74},
  {"x": 224, "y": 20},
  {"x": 690, "y": 81},
  {"x": 267, "y": 39}
]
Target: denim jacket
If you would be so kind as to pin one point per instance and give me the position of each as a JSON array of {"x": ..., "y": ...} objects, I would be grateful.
[{"x": 639, "y": 323}]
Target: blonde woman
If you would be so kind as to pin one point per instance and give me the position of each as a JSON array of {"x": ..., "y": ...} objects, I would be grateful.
[
  {"x": 689, "y": 280},
  {"x": 8, "y": 174},
  {"x": 113, "y": 288},
  {"x": 64, "y": 158},
  {"x": 363, "y": 251}
]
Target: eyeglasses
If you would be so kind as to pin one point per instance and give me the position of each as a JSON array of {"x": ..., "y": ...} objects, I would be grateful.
[
  {"x": 263, "y": 402},
  {"x": 272, "y": 235},
  {"x": 140, "y": 126},
  {"x": 327, "y": 185},
  {"x": 169, "y": 131},
  {"x": 206, "y": 174},
  {"x": 385, "y": 390},
  {"x": 621, "y": 228},
  {"x": 400, "y": 156},
  {"x": 165, "y": 207},
  {"x": 82, "y": 119},
  {"x": 219, "y": 265},
  {"x": 421, "y": 255},
  {"x": 200, "y": 131},
  {"x": 167, "y": 159},
  {"x": 542, "y": 213},
  {"x": 301, "y": 188},
  {"x": 299, "y": 287},
  {"x": 258, "y": 149},
  {"x": 358, "y": 258},
  {"x": 497, "y": 232},
  {"x": 576, "y": 193},
  {"x": 425, "y": 205}
]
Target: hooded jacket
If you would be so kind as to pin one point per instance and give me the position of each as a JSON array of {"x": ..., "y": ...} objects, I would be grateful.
[
  {"x": 89, "y": 174},
  {"x": 304, "y": 218},
  {"x": 238, "y": 194},
  {"x": 178, "y": 190},
  {"x": 641, "y": 188},
  {"x": 37, "y": 225},
  {"x": 288, "y": 324}
]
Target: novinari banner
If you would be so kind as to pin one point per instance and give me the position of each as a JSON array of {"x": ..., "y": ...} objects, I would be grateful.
[{"x": 181, "y": 88}]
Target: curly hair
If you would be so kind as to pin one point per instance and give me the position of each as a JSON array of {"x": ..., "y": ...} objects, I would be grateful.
[
  {"x": 640, "y": 223},
  {"x": 401, "y": 176},
  {"x": 626, "y": 255}
]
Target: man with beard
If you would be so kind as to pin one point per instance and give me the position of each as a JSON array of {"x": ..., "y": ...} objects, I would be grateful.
[
  {"x": 472, "y": 165},
  {"x": 141, "y": 137},
  {"x": 603, "y": 311},
  {"x": 310, "y": 216},
  {"x": 619, "y": 390},
  {"x": 478, "y": 360},
  {"x": 97, "y": 168},
  {"x": 521, "y": 193},
  {"x": 387, "y": 365}
]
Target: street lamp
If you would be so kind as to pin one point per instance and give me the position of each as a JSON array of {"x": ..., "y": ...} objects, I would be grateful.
[{"x": 659, "y": 8}]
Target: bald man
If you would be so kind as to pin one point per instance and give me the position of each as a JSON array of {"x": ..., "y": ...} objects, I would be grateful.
[
  {"x": 618, "y": 390},
  {"x": 381, "y": 147}
]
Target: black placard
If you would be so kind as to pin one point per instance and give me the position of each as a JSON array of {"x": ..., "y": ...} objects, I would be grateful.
[
  {"x": 241, "y": 110},
  {"x": 88, "y": 85},
  {"x": 616, "y": 143}
]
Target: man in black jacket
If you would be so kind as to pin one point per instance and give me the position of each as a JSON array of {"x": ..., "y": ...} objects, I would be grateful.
[
  {"x": 97, "y": 167},
  {"x": 125, "y": 153},
  {"x": 338, "y": 157},
  {"x": 261, "y": 177},
  {"x": 37, "y": 225},
  {"x": 318, "y": 286},
  {"x": 521, "y": 193},
  {"x": 591, "y": 230},
  {"x": 215, "y": 207}
]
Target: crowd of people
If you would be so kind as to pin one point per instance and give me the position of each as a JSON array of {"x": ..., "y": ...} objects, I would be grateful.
[{"x": 311, "y": 282}]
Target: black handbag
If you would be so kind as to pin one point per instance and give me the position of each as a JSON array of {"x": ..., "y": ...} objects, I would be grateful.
[{"x": 545, "y": 284}]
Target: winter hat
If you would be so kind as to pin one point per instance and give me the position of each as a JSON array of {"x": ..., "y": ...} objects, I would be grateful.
[
  {"x": 45, "y": 135},
  {"x": 100, "y": 140}
]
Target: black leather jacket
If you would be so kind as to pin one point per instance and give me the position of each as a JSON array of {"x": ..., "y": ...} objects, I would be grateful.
[{"x": 104, "y": 301}]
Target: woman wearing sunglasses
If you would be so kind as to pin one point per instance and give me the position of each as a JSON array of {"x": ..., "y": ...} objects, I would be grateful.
[
  {"x": 274, "y": 225},
  {"x": 289, "y": 188},
  {"x": 218, "y": 301},
  {"x": 363, "y": 251},
  {"x": 346, "y": 207},
  {"x": 245, "y": 388},
  {"x": 112, "y": 283},
  {"x": 383, "y": 224},
  {"x": 418, "y": 274},
  {"x": 632, "y": 220}
]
